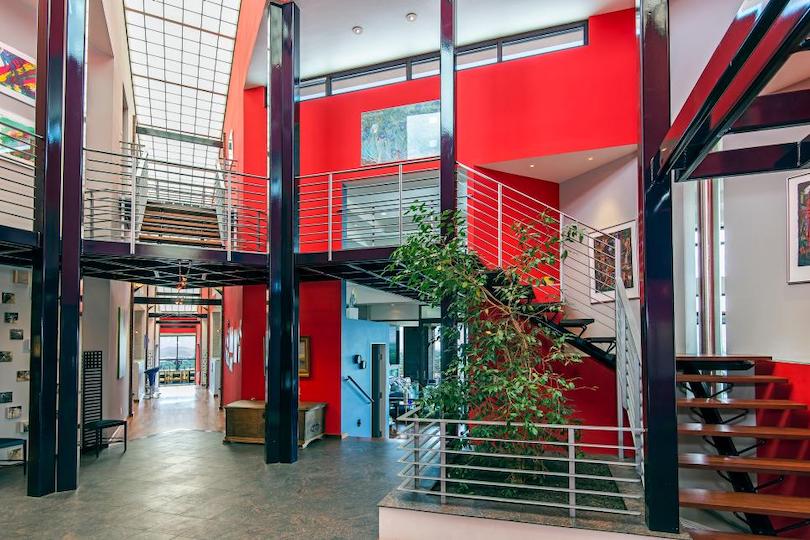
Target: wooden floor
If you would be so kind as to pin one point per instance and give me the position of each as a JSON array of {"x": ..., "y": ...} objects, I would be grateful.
[{"x": 178, "y": 408}]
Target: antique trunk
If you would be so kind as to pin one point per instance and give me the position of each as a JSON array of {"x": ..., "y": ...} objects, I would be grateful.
[
  {"x": 244, "y": 421},
  {"x": 310, "y": 422}
]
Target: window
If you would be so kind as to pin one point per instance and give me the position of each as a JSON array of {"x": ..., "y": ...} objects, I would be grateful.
[
  {"x": 369, "y": 79},
  {"x": 178, "y": 352},
  {"x": 542, "y": 44},
  {"x": 425, "y": 68},
  {"x": 477, "y": 58}
]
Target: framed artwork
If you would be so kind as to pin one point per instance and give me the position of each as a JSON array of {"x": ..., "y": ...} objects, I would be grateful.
[
  {"x": 16, "y": 137},
  {"x": 11, "y": 316},
  {"x": 23, "y": 376},
  {"x": 18, "y": 75},
  {"x": 6, "y": 356},
  {"x": 16, "y": 334},
  {"x": 12, "y": 413},
  {"x": 8, "y": 298},
  {"x": 602, "y": 250},
  {"x": 20, "y": 276},
  {"x": 798, "y": 215},
  {"x": 304, "y": 356},
  {"x": 399, "y": 133},
  {"x": 6, "y": 397},
  {"x": 123, "y": 344}
]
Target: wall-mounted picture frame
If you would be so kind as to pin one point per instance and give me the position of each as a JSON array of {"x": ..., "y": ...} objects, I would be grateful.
[
  {"x": 16, "y": 334},
  {"x": 8, "y": 298},
  {"x": 123, "y": 344},
  {"x": 6, "y": 356},
  {"x": 20, "y": 277},
  {"x": 798, "y": 229},
  {"x": 18, "y": 75},
  {"x": 601, "y": 248},
  {"x": 17, "y": 140},
  {"x": 304, "y": 357},
  {"x": 14, "y": 412},
  {"x": 6, "y": 397},
  {"x": 23, "y": 375},
  {"x": 11, "y": 317}
]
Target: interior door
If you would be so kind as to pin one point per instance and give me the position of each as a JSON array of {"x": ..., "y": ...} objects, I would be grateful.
[
  {"x": 379, "y": 407},
  {"x": 415, "y": 363}
]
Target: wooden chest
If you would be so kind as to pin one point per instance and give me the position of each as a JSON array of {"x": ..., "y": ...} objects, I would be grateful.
[
  {"x": 310, "y": 422},
  {"x": 244, "y": 421}
]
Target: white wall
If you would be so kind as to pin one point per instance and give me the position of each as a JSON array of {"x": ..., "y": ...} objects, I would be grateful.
[
  {"x": 20, "y": 350},
  {"x": 101, "y": 300}
]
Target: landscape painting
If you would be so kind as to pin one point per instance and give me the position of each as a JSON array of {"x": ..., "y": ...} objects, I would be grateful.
[
  {"x": 602, "y": 251},
  {"x": 400, "y": 133},
  {"x": 798, "y": 211}
]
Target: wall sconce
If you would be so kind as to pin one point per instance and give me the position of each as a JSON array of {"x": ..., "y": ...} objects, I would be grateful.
[{"x": 358, "y": 359}]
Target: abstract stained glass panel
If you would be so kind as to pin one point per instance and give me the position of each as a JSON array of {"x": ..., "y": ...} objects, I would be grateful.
[
  {"x": 18, "y": 75},
  {"x": 400, "y": 133}
]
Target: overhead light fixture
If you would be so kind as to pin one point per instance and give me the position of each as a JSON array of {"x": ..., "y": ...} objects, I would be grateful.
[
  {"x": 531, "y": 166},
  {"x": 590, "y": 158},
  {"x": 410, "y": 17},
  {"x": 357, "y": 30}
]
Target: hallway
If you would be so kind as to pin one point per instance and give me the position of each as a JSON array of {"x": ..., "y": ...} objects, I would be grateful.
[
  {"x": 189, "y": 485},
  {"x": 179, "y": 407}
]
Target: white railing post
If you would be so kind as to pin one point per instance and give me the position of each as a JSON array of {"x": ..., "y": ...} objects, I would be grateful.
[
  {"x": 417, "y": 470},
  {"x": 500, "y": 225},
  {"x": 621, "y": 376},
  {"x": 329, "y": 215},
  {"x": 133, "y": 202},
  {"x": 442, "y": 461},
  {"x": 399, "y": 192},
  {"x": 572, "y": 471},
  {"x": 229, "y": 189}
]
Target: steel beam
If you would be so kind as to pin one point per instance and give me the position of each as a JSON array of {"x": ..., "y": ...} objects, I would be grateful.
[
  {"x": 756, "y": 45},
  {"x": 67, "y": 466},
  {"x": 773, "y": 111},
  {"x": 45, "y": 275},
  {"x": 657, "y": 281},
  {"x": 281, "y": 418},
  {"x": 761, "y": 159},
  {"x": 178, "y": 136}
]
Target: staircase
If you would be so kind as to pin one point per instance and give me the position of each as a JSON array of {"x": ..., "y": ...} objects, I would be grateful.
[
  {"x": 738, "y": 466},
  {"x": 176, "y": 224}
]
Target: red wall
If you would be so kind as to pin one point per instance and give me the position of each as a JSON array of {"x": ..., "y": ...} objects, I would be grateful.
[
  {"x": 321, "y": 304},
  {"x": 231, "y": 321},
  {"x": 797, "y": 390}
]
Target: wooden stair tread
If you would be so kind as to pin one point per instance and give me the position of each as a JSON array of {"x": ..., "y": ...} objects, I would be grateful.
[
  {"x": 180, "y": 240},
  {"x": 180, "y": 212},
  {"x": 752, "y": 432},
  {"x": 744, "y": 464},
  {"x": 180, "y": 232},
  {"x": 773, "y": 404},
  {"x": 749, "y": 503},
  {"x": 195, "y": 222},
  {"x": 722, "y": 358},
  {"x": 721, "y": 535},
  {"x": 731, "y": 379}
]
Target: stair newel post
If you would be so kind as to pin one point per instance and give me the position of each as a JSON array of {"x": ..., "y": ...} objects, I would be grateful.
[
  {"x": 443, "y": 460},
  {"x": 399, "y": 198},
  {"x": 329, "y": 214},
  {"x": 500, "y": 225},
  {"x": 229, "y": 202},
  {"x": 572, "y": 471},
  {"x": 133, "y": 203},
  {"x": 620, "y": 350}
]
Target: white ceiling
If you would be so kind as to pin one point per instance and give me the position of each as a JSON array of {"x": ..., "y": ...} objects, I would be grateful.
[
  {"x": 328, "y": 44},
  {"x": 561, "y": 167}
]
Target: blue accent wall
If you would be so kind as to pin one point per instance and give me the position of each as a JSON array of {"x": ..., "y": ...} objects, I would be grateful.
[{"x": 357, "y": 337}]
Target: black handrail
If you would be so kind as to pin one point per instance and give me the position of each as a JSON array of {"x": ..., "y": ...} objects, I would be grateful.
[{"x": 359, "y": 388}]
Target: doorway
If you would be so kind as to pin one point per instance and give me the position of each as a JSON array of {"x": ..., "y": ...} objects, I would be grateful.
[{"x": 379, "y": 385}]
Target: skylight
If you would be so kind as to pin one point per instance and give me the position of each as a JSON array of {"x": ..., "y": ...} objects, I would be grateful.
[{"x": 181, "y": 53}]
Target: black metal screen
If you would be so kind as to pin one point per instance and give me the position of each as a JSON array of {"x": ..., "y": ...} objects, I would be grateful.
[{"x": 91, "y": 395}]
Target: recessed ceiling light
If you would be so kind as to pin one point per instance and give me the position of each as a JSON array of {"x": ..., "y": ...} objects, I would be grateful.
[
  {"x": 410, "y": 17},
  {"x": 357, "y": 30},
  {"x": 590, "y": 158},
  {"x": 532, "y": 166}
]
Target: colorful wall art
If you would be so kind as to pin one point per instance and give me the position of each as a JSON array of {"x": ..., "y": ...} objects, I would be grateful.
[
  {"x": 400, "y": 133},
  {"x": 18, "y": 75}
]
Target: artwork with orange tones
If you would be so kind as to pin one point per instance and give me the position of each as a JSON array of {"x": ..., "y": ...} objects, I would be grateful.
[{"x": 18, "y": 75}]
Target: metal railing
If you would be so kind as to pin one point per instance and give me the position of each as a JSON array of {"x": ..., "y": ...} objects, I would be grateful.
[
  {"x": 18, "y": 170},
  {"x": 184, "y": 204},
  {"x": 568, "y": 467}
]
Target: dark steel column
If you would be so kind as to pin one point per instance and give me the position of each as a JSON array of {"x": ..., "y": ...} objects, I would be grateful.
[
  {"x": 45, "y": 274},
  {"x": 448, "y": 200},
  {"x": 67, "y": 434},
  {"x": 657, "y": 289},
  {"x": 281, "y": 420}
]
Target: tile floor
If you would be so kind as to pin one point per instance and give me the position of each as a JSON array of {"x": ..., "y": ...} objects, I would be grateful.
[{"x": 187, "y": 484}]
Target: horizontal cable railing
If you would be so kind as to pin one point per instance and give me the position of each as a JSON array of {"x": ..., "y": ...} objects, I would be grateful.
[
  {"x": 18, "y": 171},
  {"x": 130, "y": 197},
  {"x": 574, "y": 468}
]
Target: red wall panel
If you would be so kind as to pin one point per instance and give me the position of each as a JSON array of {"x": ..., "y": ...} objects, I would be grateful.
[{"x": 231, "y": 322}]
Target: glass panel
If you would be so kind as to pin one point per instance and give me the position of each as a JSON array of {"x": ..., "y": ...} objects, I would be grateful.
[
  {"x": 478, "y": 57},
  {"x": 425, "y": 68},
  {"x": 544, "y": 44},
  {"x": 368, "y": 80}
]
